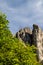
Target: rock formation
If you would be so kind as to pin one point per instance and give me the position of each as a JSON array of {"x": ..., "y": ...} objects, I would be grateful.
[
  {"x": 25, "y": 34},
  {"x": 34, "y": 36},
  {"x": 38, "y": 41}
]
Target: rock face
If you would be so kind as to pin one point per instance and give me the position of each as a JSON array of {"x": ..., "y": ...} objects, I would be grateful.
[
  {"x": 38, "y": 41},
  {"x": 25, "y": 34},
  {"x": 34, "y": 36}
]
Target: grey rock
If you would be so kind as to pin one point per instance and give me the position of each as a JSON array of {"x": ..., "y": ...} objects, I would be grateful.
[
  {"x": 25, "y": 34},
  {"x": 38, "y": 41},
  {"x": 35, "y": 37}
]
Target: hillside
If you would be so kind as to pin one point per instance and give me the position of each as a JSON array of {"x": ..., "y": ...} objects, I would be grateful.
[{"x": 12, "y": 50}]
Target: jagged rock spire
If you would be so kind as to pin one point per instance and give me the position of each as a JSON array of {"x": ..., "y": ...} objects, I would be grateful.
[
  {"x": 38, "y": 41},
  {"x": 33, "y": 36}
]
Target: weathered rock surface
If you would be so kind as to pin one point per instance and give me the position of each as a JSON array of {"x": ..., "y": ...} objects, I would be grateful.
[
  {"x": 25, "y": 34},
  {"x": 34, "y": 36},
  {"x": 38, "y": 41}
]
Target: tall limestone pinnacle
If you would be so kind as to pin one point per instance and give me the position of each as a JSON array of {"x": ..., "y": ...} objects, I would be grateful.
[
  {"x": 38, "y": 41},
  {"x": 34, "y": 36}
]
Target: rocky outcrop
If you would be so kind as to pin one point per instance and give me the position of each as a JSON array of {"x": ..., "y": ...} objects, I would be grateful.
[
  {"x": 34, "y": 36},
  {"x": 38, "y": 41},
  {"x": 25, "y": 34}
]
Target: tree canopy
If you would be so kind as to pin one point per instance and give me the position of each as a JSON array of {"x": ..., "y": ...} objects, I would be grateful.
[{"x": 12, "y": 50}]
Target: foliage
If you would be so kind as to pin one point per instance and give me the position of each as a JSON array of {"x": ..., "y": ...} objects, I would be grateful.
[{"x": 12, "y": 50}]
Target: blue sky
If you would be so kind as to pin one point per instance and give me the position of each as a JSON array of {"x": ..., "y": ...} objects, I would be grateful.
[{"x": 22, "y": 13}]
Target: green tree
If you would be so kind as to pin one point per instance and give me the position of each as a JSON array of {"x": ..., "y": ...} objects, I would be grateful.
[
  {"x": 12, "y": 50},
  {"x": 4, "y": 31}
]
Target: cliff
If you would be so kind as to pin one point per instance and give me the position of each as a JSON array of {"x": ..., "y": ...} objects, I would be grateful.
[{"x": 34, "y": 36}]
